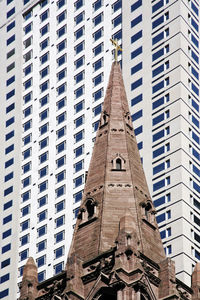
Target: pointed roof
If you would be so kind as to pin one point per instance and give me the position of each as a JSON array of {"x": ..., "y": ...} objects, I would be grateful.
[
  {"x": 116, "y": 184},
  {"x": 30, "y": 269}
]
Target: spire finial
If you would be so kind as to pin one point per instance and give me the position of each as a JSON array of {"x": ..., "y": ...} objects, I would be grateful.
[{"x": 117, "y": 48}]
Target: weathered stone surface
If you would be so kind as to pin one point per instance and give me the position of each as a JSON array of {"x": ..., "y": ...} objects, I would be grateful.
[{"x": 116, "y": 251}]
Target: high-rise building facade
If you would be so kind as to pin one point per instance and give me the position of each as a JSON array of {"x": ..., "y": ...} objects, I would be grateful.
[
  {"x": 55, "y": 62},
  {"x": 161, "y": 73}
]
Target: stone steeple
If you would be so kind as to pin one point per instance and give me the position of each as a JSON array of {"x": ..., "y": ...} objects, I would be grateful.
[
  {"x": 116, "y": 252},
  {"x": 116, "y": 184},
  {"x": 29, "y": 281}
]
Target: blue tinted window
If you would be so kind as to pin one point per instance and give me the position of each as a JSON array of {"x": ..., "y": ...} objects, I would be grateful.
[
  {"x": 140, "y": 145},
  {"x": 98, "y": 94},
  {"x": 78, "y": 4},
  {"x": 6, "y": 233},
  {"x": 138, "y": 130},
  {"x": 9, "y": 135},
  {"x": 27, "y": 153},
  {"x": 195, "y": 25},
  {"x": 98, "y": 49},
  {"x": 60, "y": 191},
  {"x": 98, "y": 19},
  {"x": 98, "y": 34},
  {"x": 79, "y": 92},
  {"x": 44, "y": 58},
  {"x": 158, "y": 70},
  {"x": 195, "y": 41},
  {"x": 136, "y": 52},
  {"x": 78, "y": 181},
  {"x": 97, "y": 65},
  {"x": 196, "y": 187},
  {"x": 78, "y": 19},
  {"x": 158, "y": 185},
  {"x": 60, "y": 161},
  {"x": 5, "y": 263},
  {"x": 61, "y": 45},
  {"x": 117, "y": 5},
  {"x": 7, "y": 219},
  {"x": 4, "y": 278},
  {"x": 78, "y": 196},
  {"x": 79, "y": 151},
  {"x": 79, "y": 62},
  {"x": 159, "y": 201},
  {"x": 44, "y": 44},
  {"x": 78, "y": 136},
  {"x": 26, "y": 196},
  {"x": 158, "y": 135},
  {"x": 10, "y": 121},
  {"x": 44, "y": 29},
  {"x": 59, "y": 236},
  {"x": 195, "y": 89},
  {"x": 195, "y": 9},
  {"x": 60, "y": 3},
  {"x": 136, "y": 36},
  {"x": 97, "y": 80},
  {"x": 158, "y": 86},
  {"x": 195, "y": 57},
  {"x": 10, "y": 26},
  {"x": 97, "y": 4},
  {"x": 136, "y": 84},
  {"x": 195, "y": 105},
  {"x": 10, "y": 40},
  {"x": 97, "y": 110},
  {"x": 136, "y": 100},
  {"x": 42, "y": 231},
  {"x": 10, "y": 94},
  {"x": 4, "y": 293},
  {"x": 9, "y": 162},
  {"x": 136, "y": 21},
  {"x": 135, "y": 5},
  {"x": 158, "y": 168},
  {"x": 195, "y": 121},
  {"x": 79, "y": 47},
  {"x": 157, "y": 22},
  {"x": 10, "y": 107},
  {"x": 9, "y": 149},
  {"x": 195, "y": 137},
  {"x": 9, "y": 176},
  {"x": 137, "y": 115},
  {"x": 60, "y": 221},
  {"x": 136, "y": 68},
  {"x": 157, "y": 38},
  {"x": 157, "y": 103},
  {"x": 61, "y": 31},
  {"x": 117, "y": 35},
  {"x": 195, "y": 73},
  {"x": 158, "y": 54},
  {"x": 158, "y": 119},
  {"x": 158, "y": 151},
  {"x": 10, "y": 12},
  {"x": 157, "y": 5},
  {"x": 61, "y": 103}
]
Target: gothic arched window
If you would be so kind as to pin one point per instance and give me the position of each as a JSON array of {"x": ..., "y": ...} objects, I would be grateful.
[
  {"x": 90, "y": 208},
  {"x": 118, "y": 164}
]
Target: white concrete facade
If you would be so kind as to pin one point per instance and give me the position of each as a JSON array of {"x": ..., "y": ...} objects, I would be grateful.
[
  {"x": 56, "y": 114},
  {"x": 169, "y": 116}
]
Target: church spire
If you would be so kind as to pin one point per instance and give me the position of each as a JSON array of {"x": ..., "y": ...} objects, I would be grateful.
[{"x": 115, "y": 184}]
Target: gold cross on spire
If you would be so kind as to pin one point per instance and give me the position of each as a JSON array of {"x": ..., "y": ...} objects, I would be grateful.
[{"x": 117, "y": 48}]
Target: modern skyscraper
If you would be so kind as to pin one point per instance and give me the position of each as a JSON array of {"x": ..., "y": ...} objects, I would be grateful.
[
  {"x": 164, "y": 93},
  {"x": 55, "y": 61}
]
